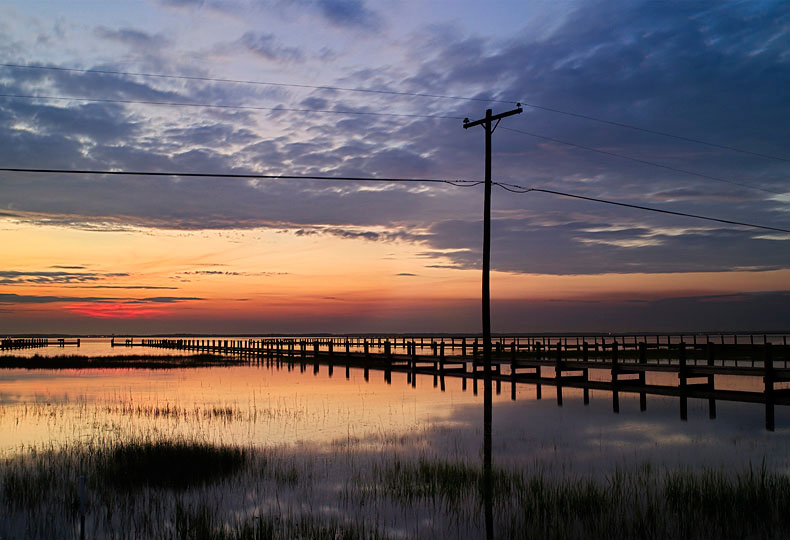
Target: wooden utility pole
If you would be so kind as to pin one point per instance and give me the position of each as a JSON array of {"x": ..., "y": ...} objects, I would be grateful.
[{"x": 487, "y": 390}]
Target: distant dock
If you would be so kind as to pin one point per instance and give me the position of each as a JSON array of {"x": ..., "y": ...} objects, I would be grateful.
[
  {"x": 618, "y": 364},
  {"x": 33, "y": 343}
]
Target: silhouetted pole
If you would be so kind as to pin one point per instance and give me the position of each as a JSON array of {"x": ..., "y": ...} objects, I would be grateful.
[{"x": 487, "y": 390}]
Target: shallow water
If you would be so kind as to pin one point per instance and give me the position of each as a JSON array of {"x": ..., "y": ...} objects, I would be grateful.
[
  {"x": 268, "y": 406},
  {"x": 321, "y": 438}
]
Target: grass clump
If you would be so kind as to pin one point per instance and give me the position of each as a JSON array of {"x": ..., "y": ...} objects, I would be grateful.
[{"x": 167, "y": 464}]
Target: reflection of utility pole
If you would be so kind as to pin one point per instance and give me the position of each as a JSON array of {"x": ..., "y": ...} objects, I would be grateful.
[{"x": 487, "y": 391}]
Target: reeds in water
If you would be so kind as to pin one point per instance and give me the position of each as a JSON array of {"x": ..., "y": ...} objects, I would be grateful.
[{"x": 192, "y": 489}]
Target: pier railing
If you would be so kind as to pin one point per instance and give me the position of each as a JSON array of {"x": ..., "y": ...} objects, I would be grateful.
[
  {"x": 632, "y": 365},
  {"x": 32, "y": 343}
]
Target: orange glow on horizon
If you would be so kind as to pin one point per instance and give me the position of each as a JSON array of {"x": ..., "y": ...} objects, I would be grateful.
[
  {"x": 191, "y": 279},
  {"x": 115, "y": 311}
]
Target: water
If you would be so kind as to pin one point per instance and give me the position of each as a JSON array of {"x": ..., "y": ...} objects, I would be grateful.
[
  {"x": 270, "y": 406},
  {"x": 323, "y": 438}
]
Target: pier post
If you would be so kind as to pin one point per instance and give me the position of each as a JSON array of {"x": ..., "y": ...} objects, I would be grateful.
[
  {"x": 513, "y": 371},
  {"x": 682, "y": 375},
  {"x": 642, "y": 375},
  {"x": 615, "y": 363},
  {"x": 615, "y": 376},
  {"x": 768, "y": 368},
  {"x": 711, "y": 379},
  {"x": 558, "y": 372}
]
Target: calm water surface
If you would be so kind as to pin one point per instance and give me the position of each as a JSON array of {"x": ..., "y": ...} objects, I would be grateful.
[{"x": 266, "y": 406}]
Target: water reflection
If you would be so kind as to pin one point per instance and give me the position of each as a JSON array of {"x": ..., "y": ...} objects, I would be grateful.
[
  {"x": 315, "y": 409},
  {"x": 298, "y": 406},
  {"x": 271, "y": 406}
]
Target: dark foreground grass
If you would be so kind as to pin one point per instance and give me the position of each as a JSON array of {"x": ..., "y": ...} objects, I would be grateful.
[
  {"x": 175, "y": 465},
  {"x": 166, "y": 464},
  {"x": 640, "y": 503},
  {"x": 126, "y": 361},
  {"x": 195, "y": 490},
  {"x": 199, "y": 524}
]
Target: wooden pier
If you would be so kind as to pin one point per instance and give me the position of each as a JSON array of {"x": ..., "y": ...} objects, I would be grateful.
[
  {"x": 33, "y": 343},
  {"x": 630, "y": 364}
]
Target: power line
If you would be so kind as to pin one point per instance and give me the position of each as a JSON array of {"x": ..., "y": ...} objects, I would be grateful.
[
  {"x": 407, "y": 94},
  {"x": 455, "y": 183},
  {"x": 643, "y": 161},
  {"x": 513, "y": 188},
  {"x": 401, "y": 115},
  {"x": 654, "y": 132},
  {"x": 220, "y": 106},
  {"x": 261, "y": 83},
  {"x": 521, "y": 189}
]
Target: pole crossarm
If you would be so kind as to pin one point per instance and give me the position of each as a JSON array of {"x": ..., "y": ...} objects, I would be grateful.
[{"x": 517, "y": 110}]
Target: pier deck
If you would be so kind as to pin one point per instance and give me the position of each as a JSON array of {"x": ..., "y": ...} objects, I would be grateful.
[{"x": 616, "y": 366}]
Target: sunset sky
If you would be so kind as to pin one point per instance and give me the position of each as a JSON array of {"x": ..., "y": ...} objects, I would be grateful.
[{"x": 131, "y": 254}]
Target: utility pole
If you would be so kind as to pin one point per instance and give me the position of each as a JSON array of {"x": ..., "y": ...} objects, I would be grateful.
[{"x": 487, "y": 390}]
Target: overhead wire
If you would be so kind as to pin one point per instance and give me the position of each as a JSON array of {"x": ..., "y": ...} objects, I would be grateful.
[
  {"x": 642, "y": 161},
  {"x": 369, "y": 113},
  {"x": 261, "y": 83},
  {"x": 555, "y": 110},
  {"x": 221, "y": 106},
  {"x": 248, "y": 176},
  {"x": 401, "y": 115},
  {"x": 654, "y": 131},
  {"x": 513, "y": 188}
]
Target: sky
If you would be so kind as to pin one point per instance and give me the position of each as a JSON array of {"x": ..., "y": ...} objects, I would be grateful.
[{"x": 327, "y": 88}]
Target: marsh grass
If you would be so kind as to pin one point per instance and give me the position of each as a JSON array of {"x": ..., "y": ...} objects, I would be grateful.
[
  {"x": 192, "y": 489},
  {"x": 167, "y": 464},
  {"x": 172, "y": 411},
  {"x": 110, "y": 362},
  {"x": 638, "y": 503},
  {"x": 199, "y": 524}
]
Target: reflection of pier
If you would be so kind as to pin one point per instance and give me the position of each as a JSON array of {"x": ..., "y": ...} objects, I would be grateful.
[
  {"x": 630, "y": 365},
  {"x": 33, "y": 343}
]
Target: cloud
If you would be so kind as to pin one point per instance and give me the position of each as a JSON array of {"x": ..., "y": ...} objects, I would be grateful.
[
  {"x": 133, "y": 38},
  {"x": 182, "y": 3},
  {"x": 348, "y": 13},
  {"x": 13, "y": 277},
  {"x": 7, "y": 298},
  {"x": 230, "y": 273},
  {"x": 266, "y": 45},
  {"x": 668, "y": 68},
  {"x": 759, "y": 312},
  {"x": 575, "y": 246},
  {"x": 79, "y": 84},
  {"x": 104, "y": 122},
  {"x": 343, "y": 14},
  {"x": 127, "y": 287},
  {"x": 164, "y": 299}
]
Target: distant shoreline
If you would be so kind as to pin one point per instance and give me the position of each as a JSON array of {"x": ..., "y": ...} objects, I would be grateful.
[
  {"x": 402, "y": 334},
  {"x": 135, "y": 361}
]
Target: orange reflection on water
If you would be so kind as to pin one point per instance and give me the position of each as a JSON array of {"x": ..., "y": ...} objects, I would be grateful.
[{"x": 243, "y": 404}]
